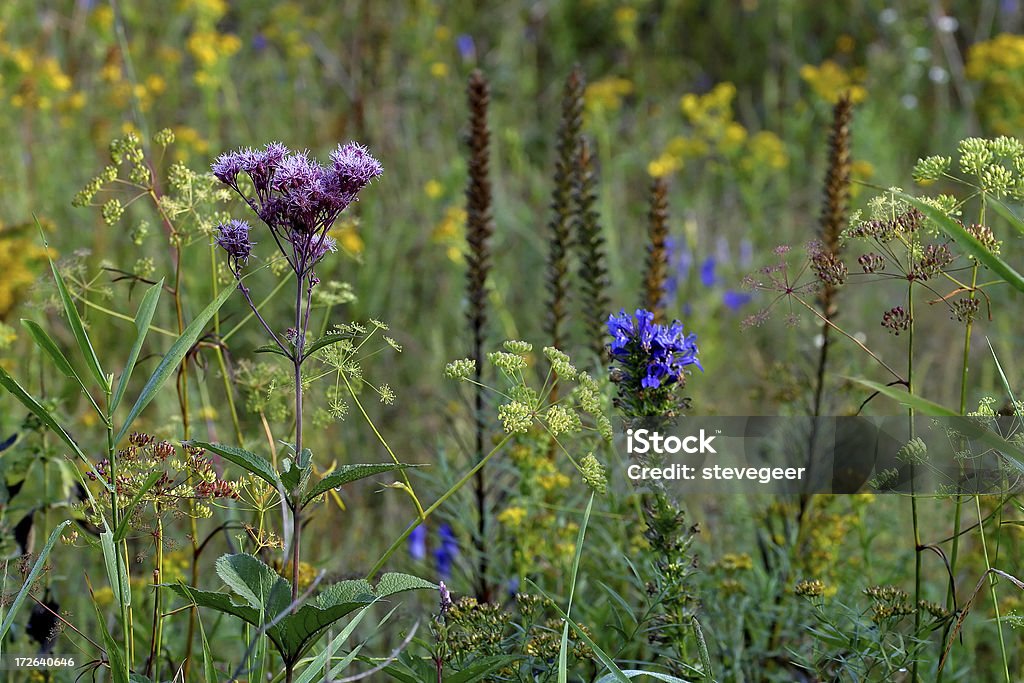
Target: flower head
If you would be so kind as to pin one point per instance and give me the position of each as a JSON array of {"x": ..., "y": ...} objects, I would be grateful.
[
  {"x": 298, "y": 198},
  {"x": 651, "y": 359},
  {"x": 233, "y": 237}
]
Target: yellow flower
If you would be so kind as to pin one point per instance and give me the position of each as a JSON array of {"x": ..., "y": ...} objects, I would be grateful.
[
  {"x": 512, "y": 516},
  {"x": 433, "y": 189},
  {"x": 348, "y": 237},
  {"x": 664, "y": 165},
  {"x": 442, "y": 34},
  {"x": 607, "y": 93},
  {"x": 103, "y": 596},
  {"x": 439, "y": 70},
  {"x": 845, "y": 43},
  {"x": 829, "y": 81}
]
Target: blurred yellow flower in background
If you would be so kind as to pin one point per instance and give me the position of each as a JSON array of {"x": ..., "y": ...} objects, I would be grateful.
[{"x": 829, "y": 81}]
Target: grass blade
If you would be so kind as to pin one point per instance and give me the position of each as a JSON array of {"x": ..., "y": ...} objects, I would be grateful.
[
  {"x": 563, "y": 650},
  {"x": 172, "y": 359},
  {"x": 968, "y": 242},
  {"x": 32, "y": 576},
  {"x": 1007, "y": 213},
  {"x": 36, "y": 408},
  {"x": 122, "y": 528},
  {"x": 320, "y": 662},
  {"x": 922, "y": 405},
  {"x": 46, "y": 344},
  {"x": 142, "y": 321},
  {"x": 75, "y": 321}
]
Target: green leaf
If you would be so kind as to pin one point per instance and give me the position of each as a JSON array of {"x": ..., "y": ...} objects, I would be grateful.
[
  {"x": 12, "y": 611},
  {"x": 271, "y": 348},
  {"x": 349, "y": 473},
  {"x": 247, "y": 460},
  {"x": 50, "y": 348},
  {"x": 255, "y": 582},
  {"x": 324, "y": 342},
  {"x": 633, "y": 673},
  {"x": 268, "y": 597},
  {"x": 209, "y": 672},
  {"x": 968, "y": 242},
  {"x": 115, "y": 657},
  {"x": 1011, "y": 218},
  {"x": 563, "y": 650},
  {"x": 75, "y": 321},
  {"x": 117, "y": 573},
  {"x": 142, "y": 321},
  {"x": 319, "y": 662},
  {"x": 170, "y": 362},
  {"x": 46, "y": 344},
  {"x": 122, "y": 527},
  {"x": 480, "y": 669},
  {"x": 1012, "y": 453},
  {"x": 9, "y": 383}
]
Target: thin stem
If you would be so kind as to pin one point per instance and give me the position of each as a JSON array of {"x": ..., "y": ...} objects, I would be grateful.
[
  {"x": 913, "y": 498},
  {"x": 856, "y": 341},
  {"x": 992, "y": 591},
  {"x": 430, "y": 510}
]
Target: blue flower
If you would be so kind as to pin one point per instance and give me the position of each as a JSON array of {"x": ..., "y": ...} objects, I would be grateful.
[
  {"x": 418, "y": 543},
  {"x": 445, "y": 554},
  {"x": 707, "y": 272},
  {"x": 736, "y": 300},
  {"x": 655, "y": 355}
]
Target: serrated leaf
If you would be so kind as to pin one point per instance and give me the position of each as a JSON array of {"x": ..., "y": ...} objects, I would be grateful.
[
  {"x": 143, "y": 319},
  {"x": 247, "y": 460},
  {"x": 346, "y": 474},
  {"x": 968, "y": 242},
  {"x": 633, "y": 673},
  {"x": 290, "y": 474},
  {"x": 319, "y": 662},
  {"x": 255, "y": 582},
  {"x": 294, "y": 633},
  {"x": 172, "y": 359}
]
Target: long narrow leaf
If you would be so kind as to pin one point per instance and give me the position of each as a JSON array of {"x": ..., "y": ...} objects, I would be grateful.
[
  {"x": 142, "y": 321},
  {"x": 922, "y": 405},
  {"x": 172, "y": 359},
  {"x": 122, "y": 527},
  {"x": 46, "y": 344},
  {"x": 36, "y": 408},
  {"x": 32, "y": 576},
  {"x": 563, "y": 651},
  {"x": 968, "y": 242},
  {"x": 319, "y": 662},
  {"x": 75, "y": 322},
  {"x": 615, "y": 673},
  {"x": 1011, "y": 218}
]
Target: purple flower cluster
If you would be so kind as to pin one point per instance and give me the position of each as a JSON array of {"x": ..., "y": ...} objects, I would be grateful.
[
  {"x": 657, "y": 355},
  {"x": 297, "y": 197}
]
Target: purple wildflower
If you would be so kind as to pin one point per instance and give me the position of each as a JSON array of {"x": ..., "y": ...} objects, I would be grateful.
[
  {"x": 656, "y": 355},
  {"x": 466, "y": 47},
  {"x": 298, "y": 198},
  {"x": 233, "y": 237}
]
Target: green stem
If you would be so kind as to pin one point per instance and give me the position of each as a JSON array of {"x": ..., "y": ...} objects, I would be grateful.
[
  {"x": 430, "y": 510},
  {"x": 913, "y": 498},
  {"x": 992, "y": 591}
]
